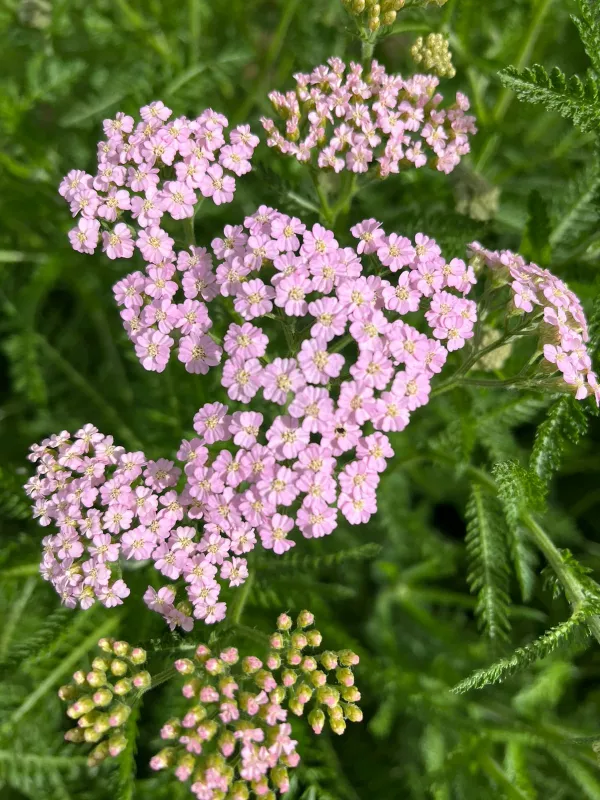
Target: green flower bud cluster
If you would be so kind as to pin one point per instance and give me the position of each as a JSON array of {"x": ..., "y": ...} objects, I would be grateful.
[
  {"x": 306, "y": 677},
  {"x": 374, "y": 13},
  {"x": 434, "y": 54},
  {"x": 100, "y": 700}
]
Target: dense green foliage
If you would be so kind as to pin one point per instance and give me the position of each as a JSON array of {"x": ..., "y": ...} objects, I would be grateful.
[{"x": 471, "y": 598}]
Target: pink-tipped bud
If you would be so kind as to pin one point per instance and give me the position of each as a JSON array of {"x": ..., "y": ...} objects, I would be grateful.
[
  {"x": 184, "y": 666},
  {"x": 138, "y": 656},
  {"x": 289, "y": 677},
  {"x": 299, "y": 640},
  {"x": 313, "y": 638},
  {"x": 276, "y": 641},
  {"x": 163, "y": 759},
  {"x": 207, "y": 729},
  {"x": 350, "y": 694},
  {"x": 118, "y": 668},
  {"x": 337, "y": 712},
  {"x": 328, "y": 659},
  {"x": 92, "y": 736},
  {"x": 74, "y": 735},
  {"x": 344, "y": 676},
  {"x": 337, "y": 726},
  {"x": 123, "y": 687},
  {"x": 226, "y": 743},
  {"x": 294, "y": 657},
  {"x": 316, "y": 720},
  {"x": 116, "y": 744},
  {"x": 273, "y": 661},
  {"x": 105, "y": 644},
  {"x": 103, "y": 697},
  {"x": 328, "y": 696},
  {"x": 79, "y": 677},
  {"x": 265, "y": 680},
  {"x": 143, "y": 680},
  {"x": 277, "y": 696},
  {"x": 309, "y": 664},
  {"x": 284, "y": 622},
  {"x": 96, "y": 679},
  {"x": 101, "y": 724},
  {"x": 98, "y": 754},
  {"x": 171, "y": 729},
  {"x": 318, "y": 678},
  {"x": 295, "y": 706},
  {"x": 101, "y": 664},
  {"x": 84, "y": 705},
  {"x": 305, "y": 618},
  {"x": 353, "y": 713},
  {"x": 214, "y": 666},
  {"x": 347, "y": 658},
  {"x": 121, "y": 649},
  {"x": 68, "y": 693},
  {"x": 280, "y": 779},
  {"x": 230, "y": 655},
  {"x": 195, "y": 715},
  {"x": 118, "y": 715},
  {"x": 202, "y": 652},
  {"x": 185, "y": 767},
  {"x": 251, "y": 664},
  {"x": 303, "y": 693}
]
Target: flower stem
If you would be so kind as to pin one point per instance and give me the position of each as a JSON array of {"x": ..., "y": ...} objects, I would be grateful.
[
  {"x": 190, "y": 235},
  {"x": 325, "y": 209},
  {"x": 237, "y": 607},
  {"x": 367, "y": 48}
]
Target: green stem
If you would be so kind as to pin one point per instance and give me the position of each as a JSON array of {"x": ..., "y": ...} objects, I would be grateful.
[
  {"x": 237, "y": 607},
  {"x": 366, "y": 52},
  {"x": 190, "y": 235},
  {"x": 325, "y": 210}
]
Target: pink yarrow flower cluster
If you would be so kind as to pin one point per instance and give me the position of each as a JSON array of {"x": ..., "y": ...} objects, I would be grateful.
[
  {"x": 562, "y": 323},
  {"x": 149, "y": 171},
  {"x": 325, "y": 453},
  {"x": 235, "y": 738},
  {"x": 342, "y": 118}
]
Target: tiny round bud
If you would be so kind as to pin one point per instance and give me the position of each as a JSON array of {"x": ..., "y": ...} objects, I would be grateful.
[
  {"x": 138, "y": 656},
  {"x": 91, "y": 736},
  {"x": 251, "y": 664},
  {"x": 226, "y": 743},
  {"x": 316, "y": 720},
  {"x": 289, "y": 677},
  {"x": 124, "y": 686},
  {"x": 344, "y": 676},
  {"x": 118, "y": 715},
  {"x": 142, "y": 680},
  {"x": 389, "y": 18},
  {"x": 101, "y": 664},
  {"x": 374, "y": 24},
  {"x": 314, "y": 638},
  {"x": 214, "y": 666},
  {"x": 105, "y": 644},
  {"x": 68, "y": 692},
  {"x": 74, "y": 735},
  {"x": 347, "y": 658},
  {"x": 96, "y": 679},
  {"x": 165, "y": 758},
  {"x": 358, "y": 6},
  {"x": 353, "y": 713},
  {"x": 350, "y": 694},
  {"x": 278, "y": 695},
  {"x": 295, "y": 706},
  {"x": 309, "y": 664},
  {"x": 116, "y": 744},
  {"x": 98, "y": 754},
  {"x": 84, "y": 705},
  {"x": 303, "y": 693},
  {"x": 318, "y": 678},
  {"x": 202, "y": 652},
  {"x": 103, "y": 697},
  {"x": 171, "y": 729},
  {"x": 284, "y": 622},
  {"x": 299, "y": 640},
  {"x": 230, "y": 655},
  {"x": 118, "y": 668},
  {"x": 121, "y": 649},
  {"x": 273, "y": 661},
  {"x": 239, "y": 791},
  {"x": 184, "y": 666},
  {"x": 280, "y": 778},
  {"x": 265, "y": 680},
  {"x": 328, "y": 696},
  {"x": 328, "y": 660},
  {"x": 101, "y": 724},
  {"x": 79, "y": 677},
  {"x": 294, "y": 657},
  {"x": 337, "y": 726},
  {"x": 276, "y": 641},
  {"x": 305, "y": 618}
]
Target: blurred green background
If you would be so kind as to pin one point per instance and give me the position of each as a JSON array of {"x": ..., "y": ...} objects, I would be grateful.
[{"x": 531, "y": 182}]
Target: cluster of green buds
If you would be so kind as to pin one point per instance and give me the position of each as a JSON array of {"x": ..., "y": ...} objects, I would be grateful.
[
  {"x": 323, "y": 679},
  {"x": 374, "y": 13},
  {"x": 434, "y": 54},
  {"x": 101, "y": 699}
]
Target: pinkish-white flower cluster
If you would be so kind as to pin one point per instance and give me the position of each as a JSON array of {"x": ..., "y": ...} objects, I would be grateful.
[
  {"x": 562, "y": 324},
  {"x": 351, "y": 120},
  {"x": 235, "y": 738},
  {"x": 158, "y": 167}
]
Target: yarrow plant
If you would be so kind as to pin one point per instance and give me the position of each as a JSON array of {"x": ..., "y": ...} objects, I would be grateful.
[
  {"x": 153, "y": 169},
  {"x": 357, "y": 120}
]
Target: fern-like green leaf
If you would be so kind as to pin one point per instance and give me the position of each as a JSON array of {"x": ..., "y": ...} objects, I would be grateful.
[
  {"x": 310, "y": 564},
  {"x": 573, "y": 97},
  {"x": 575, "y": 213},
  {"x": 588, "y": 26},
  {"x": 559, "y": 636},
  {"x": 126, "y": 772},
  {"x": 535, "y": 244},
  {"x": 488, "y": 563},
  {"x": 565, "y": 423},
  {"x": 13, "y": 503}
]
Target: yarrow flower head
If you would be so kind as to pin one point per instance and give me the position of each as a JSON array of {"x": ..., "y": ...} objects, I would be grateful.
[
  {"x": 100, "y": 700},
  {"x": 341, "y": 118},
  {"x": 556, "y": 313},
  {"x": 235, "y": 737},
  {"x": 148, "y": 171}
]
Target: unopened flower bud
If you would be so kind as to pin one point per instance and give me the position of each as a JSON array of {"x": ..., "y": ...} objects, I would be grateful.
[
  {"x": 98, "y": 754},
  {"x": 295, "y": 706},
  {"x": 344, "y": 676},
  {"x": 138, "y": 656},
  {"x": 195, "y": 715},
  {"x": 294, "y": 657},
  {"x": 165, "y": 758},
  {"x": 68, "y": 692},
  {"x": 277, "y": 696},
  {"x": 265, "y": 680},
  {"x": 119, "y": 715},
  {"x": 280, "y": 778},
  {"x": 347, "y": 658},
  {"x": 79, "y": 677},
  {"x": 328, "y": 696},
  {"x": 101, "y": 724},
  {"x": 116, "y": 744},
  {"x": 230, "y": 655},
  {"x": 121, "y": 649},
  {"x": 273, "y": 661},
  {"x": 74, "y": 735},
  {"x": 226, "y": 743},
  {"x": 358, "y": 6},
  {"x": 101, "y": 664},
  {"x": 303, "y": 693},
  {"x": 214, "y": 666},
  {"x": 353, "y": 713},
  {"x": 92, "y": 736},
  {"x": 251, "y": 664},
  {"x": 337, "y": 726},
  {"x": 106, "y": 644},
  {"x": 239, "y": 791},
  {"x": 142, "y": 680},
  {"x": 318, "y": 678},
  {"x": 314, "y": 638},
  {"x": 337, "y": 712},
  {"x": 185, "y": 766},
  {"x": 206, "y": 731},
  {"x": 299, "y": 640},
  {"x": 122, "y": 687},
  {"x": 289, "y": 677},
  {"x": 374, "y": 24},
  {"x": 103, "y": 697},
  {"x": 118, "y": 667},
  {"x": 316, "y": 720},
  {"x": 309, "y": 664},
  {"x": 284, "y": 622},
  {"x": 96, "y": 679},
  {"x": 84, "y": 705},
  {"x": 202, "y": 652},
  {"x": 305, "y": 618},
  {"x": 191, "y": 688},
  {"x": 184, "y": 666},
  {"x": 276, "y": 641},
  {"x": 171, "y": 729},
  {"x": 350, "y": 694},
  {"x": 328, "y": 659}
]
